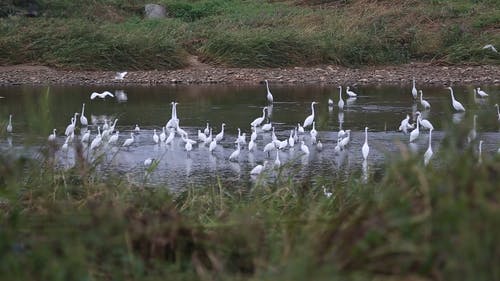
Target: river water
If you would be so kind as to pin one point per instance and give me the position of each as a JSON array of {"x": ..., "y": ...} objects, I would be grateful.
[{"x": 36, "y": 110}]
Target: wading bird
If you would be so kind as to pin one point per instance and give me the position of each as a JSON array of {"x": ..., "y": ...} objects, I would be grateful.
[{"x": 456, "y": 104}]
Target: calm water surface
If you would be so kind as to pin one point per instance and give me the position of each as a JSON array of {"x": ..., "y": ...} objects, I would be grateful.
[{"x": 381, "y": 108}]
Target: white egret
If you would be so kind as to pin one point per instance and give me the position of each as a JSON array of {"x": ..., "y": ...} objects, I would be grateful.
[
  {"x": 114, "y": 138},
  {"x": 106, "y": 125},
  {"x": 112, "y": 128},
  {"x": 277, "y": 161},
  {"x": 425, "y": 104},
  {"x": 258, "y": 169},
  {"x": 330, "y": 103},
  {"x": 156, "y": 138},
  {"x": 206, "y": 131},
  {"x": 350, "y": 93},
  {"x": 424, "y": 122},
  {"x": 96, "y": 142},
  {"x": 273, "y": 136},
  {"x": 480, "y": 152},
  {"x": 188, "y": 146},
  {"x": 234, "y": 156},
  {"x": 213, "y": 145},
  {"x": 71, "y": 127},
  {"x": 137, "y": 129},
  {"x": 304, "y": 148},
  {"x": 490, "y": 47},
  {"x": 404, "y": 124},
  {"x": 282, "y": 144},
  {"x": 9, "y": 126},
  {"x": 180, "y": 131},
  {"x": 83, "y": 119},
  {"x": 220, "y": 135},
  {"x": 341, "y": 101},
  {"x": 201, "y": 136},
  {"x": 327, "y": 193},
  {"x": 319, "y": 146},
  {"x": 428, "y": 153},
  {"x": 308, "y": 121},
  {"x": 170, "y": 137},
  {"x": 267, "y": 127},
  {"x": 259, "y": 120},
  {"x": 269, "y": 95},
  {"x": 148, "y": 162},
  {"x": 313, "y": 139},
  {"x": 472, "y": 134},
  {"x": 64, "y": 147},
  {"x": 173, "y": 122},
  {"x": 415, "y": 133},
  {"x": 481, "y": 93},
  {"x": 291, "y": 140},
  {"x": 365, "y": 149},
  {"x": 313, "y": 131},
  {"x": 414, "y": 90},
  {"x": 120, "y": 75},
  {"x": 251, "y": 145},
  {"x": 269, "y": 147},
  {"x": 253, "y": 136},
  {"x": 163, "y": 135},
  {"x": 300, "y": 129},
  {"x": 52, "y": 137},
  {"x": 345, "y": 141},
  {"x": 241, "y": 137},
  {"x": 102, "y": 95},
  {"x": 295, "y": 135},
  {"x": 209, "y": 138},
  {"x": 86, "y": 137},
  {"x": 128, "y": 142},
  {"x": 456, "y": 104},
  {"x": 341, "y": 134},
  {"x": 498, "y": 111}
]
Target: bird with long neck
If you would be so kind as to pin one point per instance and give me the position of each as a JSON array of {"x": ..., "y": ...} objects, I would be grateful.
[
  {"x": 269, "y": 95},
  {"x": 456, "y": 104},
  {"x": 83, "y": 119},
  {"x": 428, "y": 153},
  {"x": 309, "y": 120},
  {"x": 414, "y": 90},
  {"x": 341, "y": 101},
  {"x": 365, "y": 149}
]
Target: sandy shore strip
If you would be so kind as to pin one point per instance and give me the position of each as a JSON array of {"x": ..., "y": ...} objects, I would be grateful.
[{"x": 204, "y": 74}]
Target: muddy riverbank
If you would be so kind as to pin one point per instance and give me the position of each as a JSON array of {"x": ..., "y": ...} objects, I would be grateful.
[{"x": 205, "y": 74}]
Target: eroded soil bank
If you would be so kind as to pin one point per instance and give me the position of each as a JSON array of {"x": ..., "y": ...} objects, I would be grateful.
[{"x": 205, "y": 74}]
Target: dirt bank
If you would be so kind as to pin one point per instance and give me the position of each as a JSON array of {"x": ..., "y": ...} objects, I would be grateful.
[{"x": 204, "y": 74}]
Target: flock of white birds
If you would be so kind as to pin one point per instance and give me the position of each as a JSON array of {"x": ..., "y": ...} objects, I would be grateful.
[{"x": 306, "y": 140}]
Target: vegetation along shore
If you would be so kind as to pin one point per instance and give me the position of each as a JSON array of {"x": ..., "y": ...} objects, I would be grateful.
[{"x": 114, "y": 35}]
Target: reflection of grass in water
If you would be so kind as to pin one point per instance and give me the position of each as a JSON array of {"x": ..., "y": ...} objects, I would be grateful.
[{"x": 439, "y": 221}]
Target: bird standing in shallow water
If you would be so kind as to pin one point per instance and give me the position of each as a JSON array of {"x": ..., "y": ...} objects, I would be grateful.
[
  {"x": 365, "y": 149},
  {"x": 456, "y": 104},
  {"x": 269, "y": 95},
  {"x": 481, "y": 93},
  {"x": 414, "y": 90},
  {"x": 309, "y": 119},
  {"x": 428, "y": 153},
  {"x": 9, "y": 126}
]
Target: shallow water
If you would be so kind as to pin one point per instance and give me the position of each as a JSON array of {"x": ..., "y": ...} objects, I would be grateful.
[{"x": 380, "y": 108}]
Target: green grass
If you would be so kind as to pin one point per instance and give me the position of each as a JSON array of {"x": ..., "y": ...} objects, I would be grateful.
[
  {"x": 257, "y": 33},
  {"x": 411, "y": 222}
]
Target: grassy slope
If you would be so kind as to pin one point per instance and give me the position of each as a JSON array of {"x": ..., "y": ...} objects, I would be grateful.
[{"x": 98, "y": 34}]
